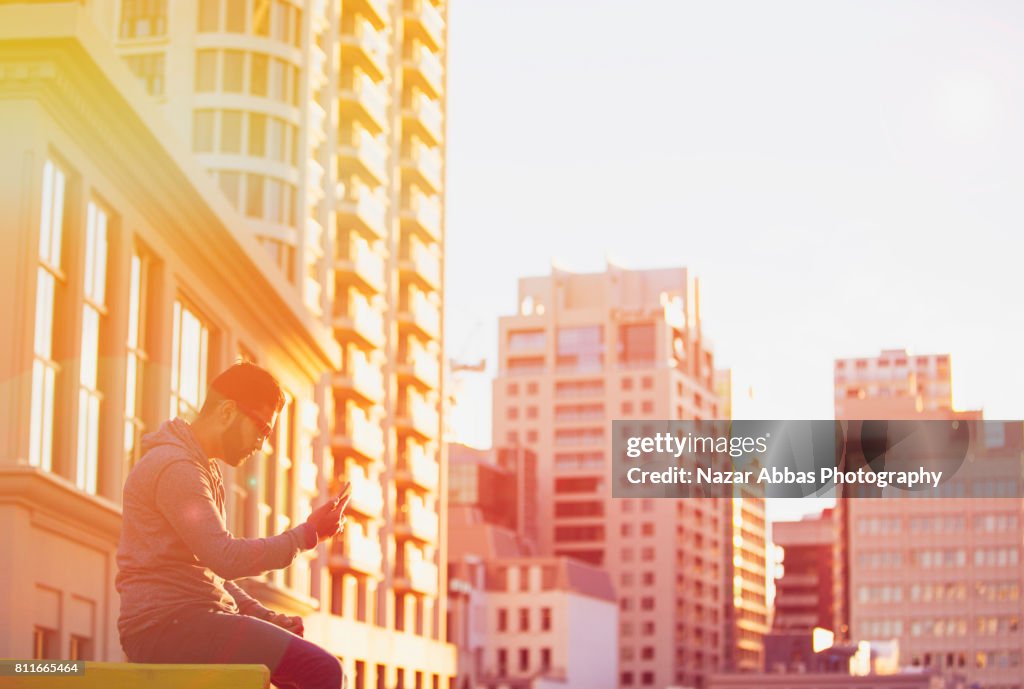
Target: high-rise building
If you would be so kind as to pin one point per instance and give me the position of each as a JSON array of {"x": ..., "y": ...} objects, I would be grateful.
[
  {"x": 746, "y": 564},
  {"x": 320, "y": 128},
  {"x": 942, "y": 576},
  {"x": 585, "y": 349}
]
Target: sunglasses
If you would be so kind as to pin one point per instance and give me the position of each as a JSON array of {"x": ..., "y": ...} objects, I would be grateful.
[{"x": 262, "y": 426}]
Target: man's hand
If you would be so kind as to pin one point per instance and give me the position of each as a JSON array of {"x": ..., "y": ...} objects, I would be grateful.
[
  {"x": 291, "y": 623},
  {"x": 327, "y": 519}
]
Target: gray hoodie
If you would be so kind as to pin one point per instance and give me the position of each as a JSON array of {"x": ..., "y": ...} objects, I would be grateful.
[{"x": 175, "y": 552}]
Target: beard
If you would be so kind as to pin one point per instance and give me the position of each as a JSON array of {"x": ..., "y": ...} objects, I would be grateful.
[{"x": 232, "y": 441}]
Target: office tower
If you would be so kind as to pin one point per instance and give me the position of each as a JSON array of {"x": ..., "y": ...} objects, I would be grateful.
[
  {"x": 320, "y": 129},
  {"x": 746, "y": 566},
  {"x": 942, "y": 576},
  {"x": 810, "y": 592},
  {"x": 584, "y": 349}
]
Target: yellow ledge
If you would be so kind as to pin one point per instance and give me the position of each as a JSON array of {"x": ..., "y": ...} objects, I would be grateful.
[{"x": 140, "y": 676}]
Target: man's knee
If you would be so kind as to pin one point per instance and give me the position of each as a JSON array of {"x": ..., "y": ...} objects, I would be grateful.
[{"x": 330, "y": 672}]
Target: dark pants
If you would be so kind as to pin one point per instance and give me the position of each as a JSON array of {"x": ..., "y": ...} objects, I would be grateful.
[{"x": 223, "y": 638}]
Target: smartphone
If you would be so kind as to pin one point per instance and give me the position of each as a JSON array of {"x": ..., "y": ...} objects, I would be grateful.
[{"x": 343, "y": 497}]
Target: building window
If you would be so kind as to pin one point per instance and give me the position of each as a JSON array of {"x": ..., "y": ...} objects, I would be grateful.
[
  {"x": 524, "y": 619},
  {"x": 254, "y": 196},
  {"x": 149, "y": 68},
  {"x": 143, "y": 18},
  {"x": 231, "y": 132},
  {"x": 136, "y": 346},
  {"x": 545, "y": 659},
  {"x": 234, "y": 71},
  {"x": 202, "y": 133},
  {"x": 526, "y": 340},
  {"x": 206, "y": 71},
  {"x": 636, "y": 344},
  {"x": 209, "y": 15},
  {"x": 44, "y": 643},
  {"x": 235, "y": 16},
  {"x": 502, "y": 619},
  {"x": 545, "y": 619},
  {"x": 93, "y": 308},
  {"x": 49, "y": 277},
  {"x": 257, "y": 135},
  {"x": 524, "y": 659},
  {"x": 189, "y": 361},
  {"x": 581, "y": 348},
  {"x": 80, "y": 648},
  {"x": 502, "y": 662},
  {"x": 261, "y": 17},
  {"x": 531, "y": 388}
]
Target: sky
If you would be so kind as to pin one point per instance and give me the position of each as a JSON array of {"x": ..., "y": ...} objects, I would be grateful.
[{"x": 843, "y": 177}]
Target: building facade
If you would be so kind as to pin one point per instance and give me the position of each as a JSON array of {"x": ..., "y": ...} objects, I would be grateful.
[
  {"x": 585, "y": 349},
  {"x": 161, "y": 144},
  {"x": 942, "y": 576},
  {"x": 810, "y": 592}
]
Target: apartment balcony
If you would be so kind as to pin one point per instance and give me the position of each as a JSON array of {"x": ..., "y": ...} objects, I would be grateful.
[
  {"x": 425, "y": 70},
  {"x": 421, "y": 315},
  {"x": 367, "y": 157},
  {"x": 363, "y": 267},
  {"x": 363, "y": 323},
  {"x": 419, "y": 470},
  {"x": 366, "y": 211},
  {"x": 424, "y": 164},
  {"x": 366, "y": 47},
  {"x": 417, "y": 576},
  {"x": 375, "y": 11},
  {"x": 417, "y": 523},
  {"x": 356, "y": 553},
  {"x": 361, "y": 378},
  {"x": 360, "y": 436},
  {"x": 423, "y": 266},
  {"x": 421, "y": 368},
  {"x": 425, "y": 22},
  {"x": 419, "y": 417},
  {"x": 367, "y": 498},
  {"x": 424, "y": 116},
  {"x": 423, "y": 214},
  {"x": 366, "y": 101}
]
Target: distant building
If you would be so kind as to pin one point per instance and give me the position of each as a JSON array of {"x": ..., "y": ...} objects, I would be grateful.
[
  {"x": 501, "y": 483},
  {"x": 521, "y": 621},
  {"x": 810, "y": 660},
  {"x": 551, "y": 622},
  {"x": 943, "y": 576},
  {"x": 810, "y": 592},
  {"x": 893, "y": 385},
  {"x": 582, "y": 350}
]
